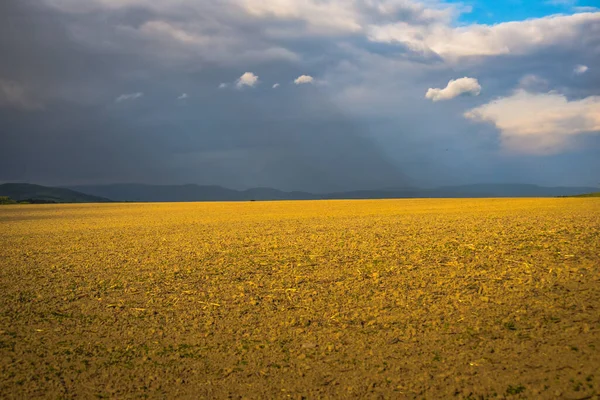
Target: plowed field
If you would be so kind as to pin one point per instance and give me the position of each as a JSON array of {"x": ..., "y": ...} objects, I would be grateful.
[{"x": 492, "y": 298}]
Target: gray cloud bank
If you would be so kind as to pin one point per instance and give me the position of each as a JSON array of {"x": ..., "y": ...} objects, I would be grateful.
[{"x": 89, "y": 94}]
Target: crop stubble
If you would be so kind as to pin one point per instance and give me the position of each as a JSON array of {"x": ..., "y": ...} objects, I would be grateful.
[{"x": 494, "y": 298}]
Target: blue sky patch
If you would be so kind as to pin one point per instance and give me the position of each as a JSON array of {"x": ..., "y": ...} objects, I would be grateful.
[{"x": 491, "y": 12}]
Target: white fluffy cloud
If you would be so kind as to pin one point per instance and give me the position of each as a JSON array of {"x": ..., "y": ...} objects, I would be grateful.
[
  {"x": 303, "y": 79},
  {"x": 317, "y": 17},
  {"x": 370, "y": 38},
  {"x": 455, "y": 88},
  {"x": 205, "y": 39},
  {"x": 517, "y": 37},
  {"x": 533, "y": 83},
  {"x": 187, "y": 30},
  {"x": 164, "y": 29},
  {"x": 183, "y": 96},
  {"x": 15, "y": 95},
  {"x": 128, "y": 97},
  {"x": 320, "y": 17},
  {"x": 580, "y": 69},
  {"x": 248, "y": 79},
  {"x": 219, "y": 31},
  {"x": 540, "y": 123},
  {"x": 275, "y": 86}
]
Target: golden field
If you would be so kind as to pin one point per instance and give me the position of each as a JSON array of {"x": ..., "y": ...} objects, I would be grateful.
[{"x": 476, "y": 299}]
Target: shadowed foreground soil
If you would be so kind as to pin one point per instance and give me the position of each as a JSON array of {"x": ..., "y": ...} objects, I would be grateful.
[{"x": 495, "y": 298}]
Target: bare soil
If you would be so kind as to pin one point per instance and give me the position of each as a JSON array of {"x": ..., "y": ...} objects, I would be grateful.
[{"x": 469, "y": 299}]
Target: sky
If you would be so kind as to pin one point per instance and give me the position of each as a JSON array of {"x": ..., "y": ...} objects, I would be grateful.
[{"x": 312, "y": 95}]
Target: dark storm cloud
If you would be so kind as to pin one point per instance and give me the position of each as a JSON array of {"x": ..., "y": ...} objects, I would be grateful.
[
  {"x": 64, "y": 63},
  {"x": 228, "y": 138}
]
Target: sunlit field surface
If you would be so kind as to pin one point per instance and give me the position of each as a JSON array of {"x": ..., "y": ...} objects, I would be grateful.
[{"x": 495, "y": 298}]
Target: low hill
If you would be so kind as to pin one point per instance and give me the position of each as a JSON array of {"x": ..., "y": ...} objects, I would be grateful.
[
  {"x": 516, "y": 190},
  {"x": 44, "y": 194},
  {"x": 594, "y": 194},
  {"x": 182, "y": 193}
]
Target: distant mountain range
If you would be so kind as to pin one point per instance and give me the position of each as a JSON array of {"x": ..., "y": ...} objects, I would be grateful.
[
  {"x": 25, "y": 192},
  {"x": 181, "y": 193},
  {"x": 190, "y": 193},
  {"x": 177, "y": 193}
]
